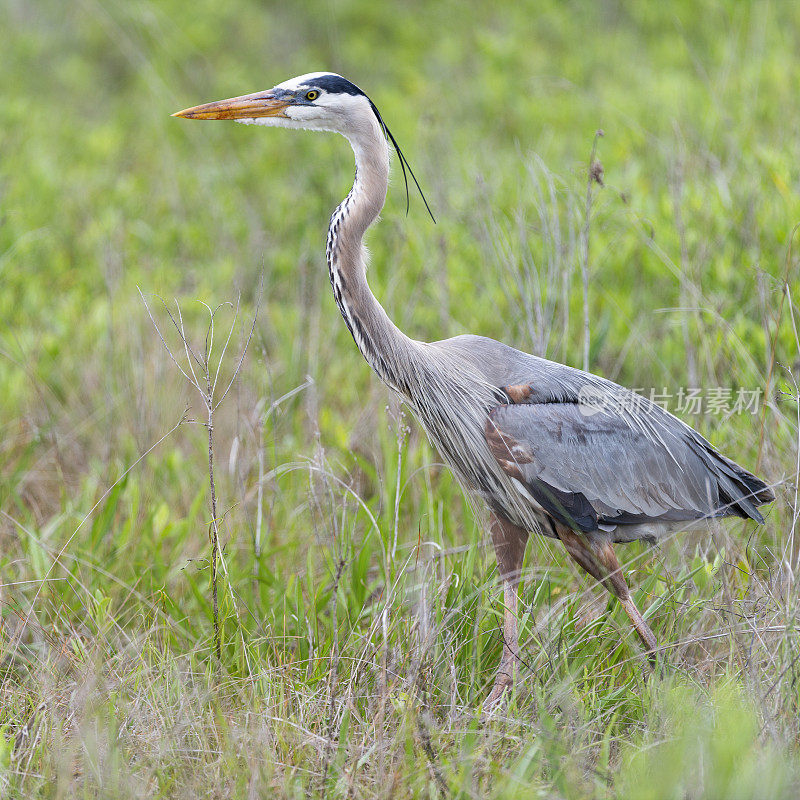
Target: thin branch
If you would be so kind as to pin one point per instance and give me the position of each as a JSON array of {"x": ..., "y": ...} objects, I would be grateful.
[
  {"x": 244, "y": 350},
  {"x": 230, "y": 333},
  {"x": 594, "y": 175},
  {"x": 186, "y": 345},
  {"x": 163, "y": 340}
]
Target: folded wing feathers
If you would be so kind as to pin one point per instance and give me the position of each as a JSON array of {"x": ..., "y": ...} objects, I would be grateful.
[{"x": 620, "y": 466}]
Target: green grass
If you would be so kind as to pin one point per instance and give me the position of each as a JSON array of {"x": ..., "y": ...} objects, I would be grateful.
[{"x": 358, "y": 599}]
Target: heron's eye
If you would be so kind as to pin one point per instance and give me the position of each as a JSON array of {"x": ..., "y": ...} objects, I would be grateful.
[{"x": 312, "y": 95}]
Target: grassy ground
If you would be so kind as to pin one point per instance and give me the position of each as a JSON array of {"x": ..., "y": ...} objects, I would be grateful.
[{"x": 358, "y": 598}]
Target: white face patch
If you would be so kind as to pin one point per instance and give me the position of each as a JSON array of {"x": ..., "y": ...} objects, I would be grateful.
[{"x": 305, "y": 113}]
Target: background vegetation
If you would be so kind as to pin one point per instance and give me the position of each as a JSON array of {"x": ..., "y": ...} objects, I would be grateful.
[{"x": 357, "y": 595}]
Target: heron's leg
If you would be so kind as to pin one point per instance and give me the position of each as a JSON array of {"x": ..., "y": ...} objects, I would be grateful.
[
  {"x": 595, "y": 554},
  {"x": 509, "y": 545}
]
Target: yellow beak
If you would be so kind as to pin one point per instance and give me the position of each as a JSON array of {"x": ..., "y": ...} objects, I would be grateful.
[{"x": 248, "y": 106}]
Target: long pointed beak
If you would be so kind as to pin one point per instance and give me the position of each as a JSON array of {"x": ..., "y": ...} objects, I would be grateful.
[{"x": 248, "y": 106}]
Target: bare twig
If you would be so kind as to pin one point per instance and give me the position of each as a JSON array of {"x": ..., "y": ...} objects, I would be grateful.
[
  {"x": 333, "y": 672},
  {"x": 402, "y": 434},
  {"x": 204, "y": 380},
  {"x": 677, "y": 190},
  {"x": 214, "y": 524},
  {"x": 594, "y": 175}
]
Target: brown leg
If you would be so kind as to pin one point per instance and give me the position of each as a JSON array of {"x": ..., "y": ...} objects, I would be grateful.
[
  {"x": 509, "y": 546},
  {"x": 595, "y": 554}
]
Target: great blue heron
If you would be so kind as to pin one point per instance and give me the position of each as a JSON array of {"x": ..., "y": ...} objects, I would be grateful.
[{"x": 549, "y": 448}]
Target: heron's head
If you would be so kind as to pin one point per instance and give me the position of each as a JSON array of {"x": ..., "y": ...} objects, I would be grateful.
[
  {"x": 321, "y": 101},
  {"x": 317, "y": 101}
]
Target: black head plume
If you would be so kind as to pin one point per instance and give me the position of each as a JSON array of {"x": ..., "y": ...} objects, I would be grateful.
[
  {"x": 336, "y": 84},
  {"x": 404, "y": 165}
]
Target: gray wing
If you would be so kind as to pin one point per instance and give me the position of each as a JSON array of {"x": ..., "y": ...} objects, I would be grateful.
[
  {"x": 591, "y": 471},
  {"x": 593, "y": 454}
]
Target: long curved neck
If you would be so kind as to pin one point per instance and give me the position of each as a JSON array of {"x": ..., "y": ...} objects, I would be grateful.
[{"x": 385, "y": 347}]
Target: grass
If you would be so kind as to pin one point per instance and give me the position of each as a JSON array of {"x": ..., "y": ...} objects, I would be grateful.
[{"x": 358, "y": 604}]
